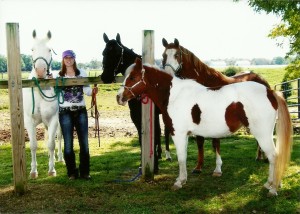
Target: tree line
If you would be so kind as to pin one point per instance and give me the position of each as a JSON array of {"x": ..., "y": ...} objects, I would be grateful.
[{"x": 26, "y": 64}]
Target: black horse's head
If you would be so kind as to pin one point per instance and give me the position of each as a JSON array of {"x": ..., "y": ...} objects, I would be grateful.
[
  {"x": 116, "y": 58},
  {"x": 112, "y": 58}
]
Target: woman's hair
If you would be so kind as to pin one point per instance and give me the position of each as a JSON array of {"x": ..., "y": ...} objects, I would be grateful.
[{"x": 63, "y": 71}]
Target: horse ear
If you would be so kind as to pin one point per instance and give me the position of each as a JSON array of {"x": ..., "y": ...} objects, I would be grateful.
[
  {"x": 118, "y": 38},
  {"x": 105, "y": 38},
  {"x": 49, "y": 34},
  {"x": 138, "y": 63},
  {"x": 176, "y": 42},
  {"x": 34, "y": 34},
  {"x": 164, "y": 42}
]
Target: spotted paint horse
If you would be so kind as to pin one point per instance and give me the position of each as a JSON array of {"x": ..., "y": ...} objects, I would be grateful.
[
  {"x": 189, "y": 107},
  {"x": 184, "y": 64}
]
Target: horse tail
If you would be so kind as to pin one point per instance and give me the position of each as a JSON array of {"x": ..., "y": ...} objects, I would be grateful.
[{"x": 284, "y": 138}]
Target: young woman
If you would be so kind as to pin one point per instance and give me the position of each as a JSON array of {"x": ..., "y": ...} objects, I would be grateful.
[{"x": 73, "y": 114}]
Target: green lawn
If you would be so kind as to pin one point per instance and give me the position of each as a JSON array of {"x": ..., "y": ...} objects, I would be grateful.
[{"x": 238, "y": 190}]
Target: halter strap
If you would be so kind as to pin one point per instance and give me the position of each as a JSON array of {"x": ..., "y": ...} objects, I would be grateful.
[
  {"x": 120, "y": 60},
  {"x": 137, "y": 83},
  {"x": 178, "y": 69},
  {"x": 42, "y": 58}
]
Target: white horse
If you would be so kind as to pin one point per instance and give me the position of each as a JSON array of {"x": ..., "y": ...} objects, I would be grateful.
[
  {"x": 40, "y": 109},
  {"x": 190, "y": 108}
]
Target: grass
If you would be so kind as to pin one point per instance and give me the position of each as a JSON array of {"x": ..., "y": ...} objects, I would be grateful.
[{"x": 238, "y": 190}]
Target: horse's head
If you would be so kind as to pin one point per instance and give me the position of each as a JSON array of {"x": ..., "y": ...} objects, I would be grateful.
[
  {"x": 134, "y": 83},
  {"x": 172, "y": 57},
  {"x": 41, "y": 56},
  {"x": 112, "y": 58}
]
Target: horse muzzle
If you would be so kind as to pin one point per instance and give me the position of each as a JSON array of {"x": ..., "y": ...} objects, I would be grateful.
[{"x": 121, "y": 99}]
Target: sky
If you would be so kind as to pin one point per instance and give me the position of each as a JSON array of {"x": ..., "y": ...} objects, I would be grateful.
[{"x": 211, "y": 29}]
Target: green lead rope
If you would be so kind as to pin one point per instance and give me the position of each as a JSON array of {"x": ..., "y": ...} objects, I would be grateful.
[{"x": 57, "y": 91}]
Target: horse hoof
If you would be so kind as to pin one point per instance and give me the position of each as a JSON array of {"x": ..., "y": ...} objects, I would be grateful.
[
  {"x": 176, "y": 187},
  {"x": 33, "y": 175},
  {"x": 196, "y": 171},
  {"x": 267, "y": 185},
  {"x": 217, "y": 174},
  {"x": 52, "y": 174},
  {"x": 272, "y": 193}
]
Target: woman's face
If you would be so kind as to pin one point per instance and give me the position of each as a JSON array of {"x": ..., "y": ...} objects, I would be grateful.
[{"x": 69, "y": 61}]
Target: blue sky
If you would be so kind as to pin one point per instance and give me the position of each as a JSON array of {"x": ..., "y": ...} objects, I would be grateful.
[{"x": 212, "y": 29}]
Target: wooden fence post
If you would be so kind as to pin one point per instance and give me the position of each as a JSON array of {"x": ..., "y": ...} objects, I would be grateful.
[
  {"x": 16, "y": 107},
  {"x": 148, "y": 114}
]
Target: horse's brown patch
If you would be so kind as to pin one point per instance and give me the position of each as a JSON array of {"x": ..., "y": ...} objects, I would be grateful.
[
  {"x": 272, "y": 99},
  {"x": 196, "y": 114},
  {"x": 216, "y": 88},
  {"x": 235, "y": 116}
]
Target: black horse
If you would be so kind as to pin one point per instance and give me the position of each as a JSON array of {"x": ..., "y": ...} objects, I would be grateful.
[{"x": 116, "y": 59}]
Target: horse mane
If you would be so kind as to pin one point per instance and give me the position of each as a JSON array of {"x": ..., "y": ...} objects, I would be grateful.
[
  {"x": 206, "y": 75},
  {"x": 128, "y": 58}
]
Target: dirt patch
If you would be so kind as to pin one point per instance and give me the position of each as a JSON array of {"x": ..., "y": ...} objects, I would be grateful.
[{"x": 112, "y": 124}]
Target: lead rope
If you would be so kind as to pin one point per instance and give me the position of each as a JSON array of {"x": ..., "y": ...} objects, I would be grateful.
[
  {"x": 145, "y": 100},
  {"x": 96, "y": 116},
  {"x": 57, "y": 92}
]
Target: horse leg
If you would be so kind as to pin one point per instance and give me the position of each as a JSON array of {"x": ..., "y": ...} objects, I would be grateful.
[
  {"x": 260, "y": 156},
  {"x": 59, "y": 148},
  {"x": 157, "y": 133},
  {"x": 180, "y": 142},
  {"x": 157, "y": 140},
  {"x": 200, "y": 142},
  {"x": 167, "y": 141},
  {"x": 216, "y": 145},
  {"x": 135, "y": 108},
  {"x": 51, "y": 148},
  {"x": 31, "y": 130},
  {"x": 267, "y": 145}
]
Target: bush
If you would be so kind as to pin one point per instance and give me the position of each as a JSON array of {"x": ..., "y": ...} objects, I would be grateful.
[{"x": 231, "y": 71}]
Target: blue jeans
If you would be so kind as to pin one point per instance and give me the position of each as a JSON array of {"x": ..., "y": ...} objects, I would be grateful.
[{"x": 68, "y": 121}]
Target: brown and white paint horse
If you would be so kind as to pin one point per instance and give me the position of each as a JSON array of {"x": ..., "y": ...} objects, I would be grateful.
[
  {"x": 182, "y": 63},
  {"x": 189, "y": 108}
]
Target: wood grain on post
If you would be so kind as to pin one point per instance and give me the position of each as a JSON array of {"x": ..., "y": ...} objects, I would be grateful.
[
  {"x": 148, "y": 114},
  {"x": 16, "y": 107}
]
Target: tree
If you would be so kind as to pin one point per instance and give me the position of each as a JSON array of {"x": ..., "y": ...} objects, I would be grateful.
[
  {"x": 260, "y": 61},
  {"x": 278, "y": 60},
  {"x": 95, "y": 64},
  {"x": 3, "y": 64},
  {"x": 55, "y": 65},
  {"x": 289, "y": 28},
  {"x": 26, "y": 62}
]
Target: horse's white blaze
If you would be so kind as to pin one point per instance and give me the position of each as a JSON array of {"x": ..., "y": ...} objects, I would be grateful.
[
  {"x": 40, "y": 48},
  {"x": 171, "y": 61},
  {"x": 122, "y": 89}
]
